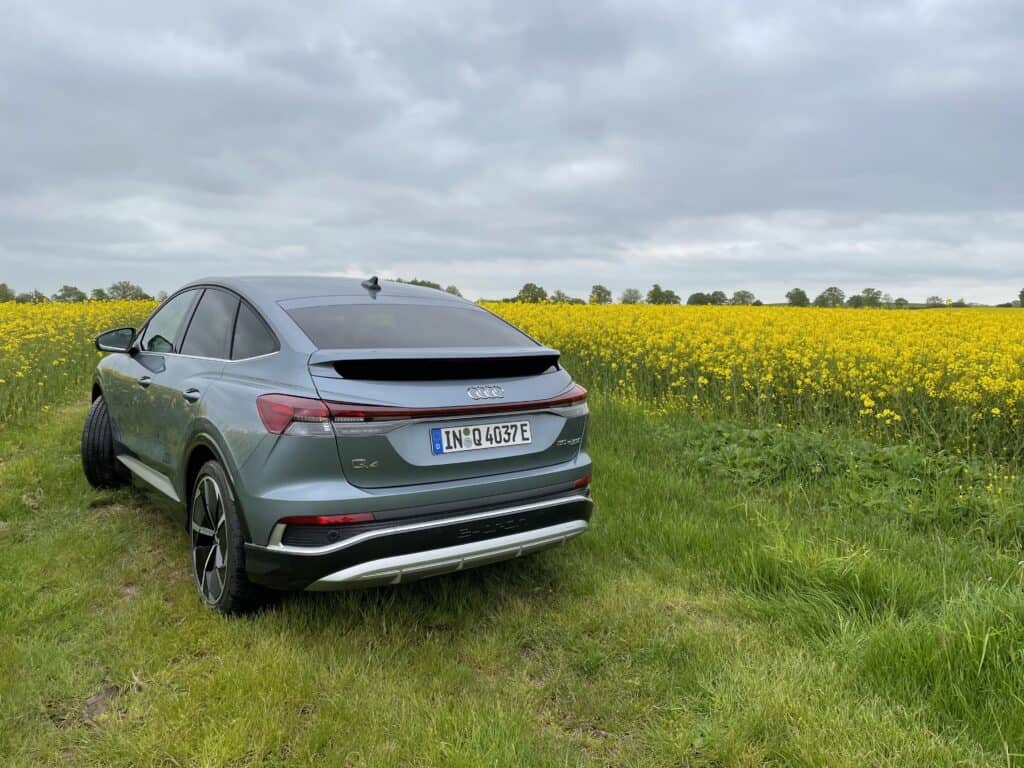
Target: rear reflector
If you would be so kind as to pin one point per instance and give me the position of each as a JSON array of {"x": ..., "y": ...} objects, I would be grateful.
[
  {"x": 358, "y": 517},
  {"x": 583, "y": 482}
]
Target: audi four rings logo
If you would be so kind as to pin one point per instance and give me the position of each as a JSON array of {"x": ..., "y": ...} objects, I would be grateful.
[{"x": 485, "y": 393}]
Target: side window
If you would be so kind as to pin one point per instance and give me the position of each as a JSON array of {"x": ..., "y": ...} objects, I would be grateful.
[
  {"x": 251, "y": 335},
  {"x": 163, "y": 332},
  {"x": 209, "y": 333}
]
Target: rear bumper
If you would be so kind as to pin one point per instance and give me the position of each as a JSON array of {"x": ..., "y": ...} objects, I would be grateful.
[{"x": 408, "y": 550}]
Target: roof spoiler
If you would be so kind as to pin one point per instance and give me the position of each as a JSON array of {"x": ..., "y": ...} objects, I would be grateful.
[{"x": 433, "y": 364}]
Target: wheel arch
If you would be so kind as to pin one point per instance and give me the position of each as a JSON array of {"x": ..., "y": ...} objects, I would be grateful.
[{"x": 201, "y": 449}]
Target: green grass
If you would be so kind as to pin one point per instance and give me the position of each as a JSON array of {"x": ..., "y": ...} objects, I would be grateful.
[{"x": 744, "y": 597}]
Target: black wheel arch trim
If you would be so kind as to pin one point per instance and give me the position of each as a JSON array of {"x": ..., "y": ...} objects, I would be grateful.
[{"x": 206, "y": 440}]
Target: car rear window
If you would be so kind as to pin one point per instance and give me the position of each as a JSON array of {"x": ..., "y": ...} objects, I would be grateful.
[{"x": 376, "y": 326}]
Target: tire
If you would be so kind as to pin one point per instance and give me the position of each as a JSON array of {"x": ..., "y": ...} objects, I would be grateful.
[
  {"x": 101, "y": 467},
  {"x": 217, "y": 545}
]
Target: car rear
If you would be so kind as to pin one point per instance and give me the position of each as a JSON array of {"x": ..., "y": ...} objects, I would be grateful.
[{"x": 434, "y": 437}]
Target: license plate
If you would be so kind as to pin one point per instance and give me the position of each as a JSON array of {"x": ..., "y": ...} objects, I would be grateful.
[{"x": 474, "y": 438}]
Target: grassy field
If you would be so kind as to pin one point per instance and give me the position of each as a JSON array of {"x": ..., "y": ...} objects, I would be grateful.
[
  {"x": 779, "y": 572},
  {"x": 745, "y": 597}
]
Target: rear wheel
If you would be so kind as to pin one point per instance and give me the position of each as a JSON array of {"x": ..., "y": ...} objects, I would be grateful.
[
  {"x": 100, "y": 464},
  {"x": 218, "y": 545}
]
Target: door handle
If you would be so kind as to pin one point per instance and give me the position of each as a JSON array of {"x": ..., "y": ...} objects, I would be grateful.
[
  {"x": 192, "y": 395},
  {"x": 145, "y": 381}
]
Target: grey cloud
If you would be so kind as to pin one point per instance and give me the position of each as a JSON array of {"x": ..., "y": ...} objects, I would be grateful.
[{"x": 708, "y": 144}]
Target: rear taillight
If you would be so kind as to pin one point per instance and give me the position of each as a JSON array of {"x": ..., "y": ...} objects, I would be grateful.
[
  {"x": 289, "y": 415},
  {"x": 582, "y": 482},
  {"x": 353, "y": 412},
  {"x": 358, "y": 517}
]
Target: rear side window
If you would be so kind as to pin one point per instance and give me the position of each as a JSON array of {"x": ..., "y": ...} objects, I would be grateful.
[
  {"x": 252, "y": 338},
  {"x": 375, "y": 326},
  {"x": 163, "y": 331},
  {"x": 209, "y": 333}
]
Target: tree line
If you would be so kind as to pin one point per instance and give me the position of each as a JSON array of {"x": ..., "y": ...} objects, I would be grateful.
[
  {"x": 531, "y": 293},
  {"x": 832, "y": 296},
  {"x": 122, "y": 289}
]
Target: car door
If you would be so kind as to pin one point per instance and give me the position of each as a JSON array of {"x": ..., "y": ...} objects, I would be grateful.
[
  {"x": 178, "y": 389},
  {"x": 128, "y": 384}
]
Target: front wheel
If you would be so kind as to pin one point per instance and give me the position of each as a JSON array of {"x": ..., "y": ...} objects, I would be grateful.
[
  {"x": 217, "y": 545},
  {"x": 100, "y": 464}
]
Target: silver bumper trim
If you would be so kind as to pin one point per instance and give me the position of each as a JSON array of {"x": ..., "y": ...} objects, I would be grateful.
[
  {"x": 433, "y": 562},
  {"x": 277, "y": 533}
]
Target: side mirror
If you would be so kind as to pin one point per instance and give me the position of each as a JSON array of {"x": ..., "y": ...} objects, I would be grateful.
[{"x": 117, "y": 340}]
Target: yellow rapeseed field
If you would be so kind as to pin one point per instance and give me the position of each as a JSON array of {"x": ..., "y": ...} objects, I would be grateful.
[
  {"x": 47, "y": 353},
  {"x": 953, "y": 376}
]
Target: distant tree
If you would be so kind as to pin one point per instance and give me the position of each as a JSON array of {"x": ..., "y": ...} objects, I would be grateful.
[
  {"x": 718, "y": 298},
  {"x": 935, "y": 301},
  {"x": 659, "y": 295},
  {"x": 757, "y": 303},
  {"x": 797, "y": 297},
  {"x": 742, "y": 298},
  {"x": 161, "y": 296},
  {"x": 830, "y": 297},
  {"x": 631, "y": 296},
  {"x": 532, "y": 293},
  {"x": 69, "y": 293},
  {"x": 123, "y": 289},
  {"x": 98, "y": 294},
  {"x": 856, "y": 301},
  {"x": 6, "y": 294},
  {"x": 872, "y": 297},
  {"x": 561, "y": 297},
  {"x": 1020, "y": 297},
  {"x": 600, "y": 295},
  {"x": 34, "y": 297},
  {"x": 887, "y": 300},
  {"x": 453, "y": 291},
  {"x": 901, "y": 303},
  {"x": 698, "y": 299},
  {"x": 958, "y": 303}
]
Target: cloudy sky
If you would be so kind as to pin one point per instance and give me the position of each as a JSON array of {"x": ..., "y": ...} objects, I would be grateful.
[{"x": 702, "y": 145}]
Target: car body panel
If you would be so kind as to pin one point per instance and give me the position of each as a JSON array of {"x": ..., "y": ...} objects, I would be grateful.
[{"x": 389, "y": 471}]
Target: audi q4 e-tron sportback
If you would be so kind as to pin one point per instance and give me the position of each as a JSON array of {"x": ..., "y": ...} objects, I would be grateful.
[{"x": 328, "y": 433}]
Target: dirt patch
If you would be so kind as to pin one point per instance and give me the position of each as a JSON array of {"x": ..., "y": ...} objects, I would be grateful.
[
  {"x": 100, "y": 702},
  {"x": 32, "y": 499},
  {"x": 589, "y": 731},
  {"x": 130, "y": 590},
  {"x": 60, "y": 713}
]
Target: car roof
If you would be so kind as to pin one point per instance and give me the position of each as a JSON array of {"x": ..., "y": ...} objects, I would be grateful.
[{"x": 271, "y": 289}]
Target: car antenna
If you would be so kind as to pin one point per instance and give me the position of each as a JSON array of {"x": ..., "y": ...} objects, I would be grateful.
[{"x": 371, "y": 283}]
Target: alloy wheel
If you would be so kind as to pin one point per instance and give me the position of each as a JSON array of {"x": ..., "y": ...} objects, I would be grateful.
[{"x": 209, "y": 539}]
